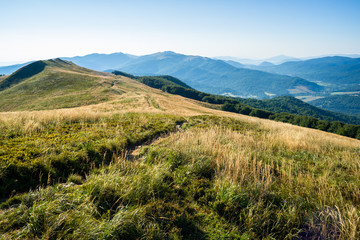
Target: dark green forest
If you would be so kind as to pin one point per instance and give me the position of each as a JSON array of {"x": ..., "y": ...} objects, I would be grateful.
[{"x": 348, "y": 104}]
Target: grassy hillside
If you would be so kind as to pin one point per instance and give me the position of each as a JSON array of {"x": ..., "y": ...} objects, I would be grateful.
[
  {"x": 284, "y": 109},
  {"x": 68, "y": 147},
  {"x": 58, "y": 84},
  {"x": 55, "y": 84},
  {"x": 147, "y": 164},
  {"x": 216, "y": 176}
]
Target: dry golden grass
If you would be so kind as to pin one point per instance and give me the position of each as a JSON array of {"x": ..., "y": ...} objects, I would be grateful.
[
  {"x": 240, "y": 158},
  {"x": 320, "y": 167},
  {"x": 237, "y": 152},
  {"x": 313, "y": 174},
  {"x": 301, "y": 165},
  {"x": 136, "y": 99}
]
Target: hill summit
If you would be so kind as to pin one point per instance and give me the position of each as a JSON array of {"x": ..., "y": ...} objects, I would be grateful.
[{"x": 54, "y": 83}]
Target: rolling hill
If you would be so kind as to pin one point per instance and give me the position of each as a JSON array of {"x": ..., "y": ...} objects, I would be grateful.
[
  {"x": 339, "y": 75},
  {"x": 54, "y": 84},
  {"x": 273, "y": 60},
  {"x": 58, "y": 83},
  {"x": 336, "y": 71},
  {"x": 347, "y": 104},
  {"x": 282, "y": 104},
  {"x": 204, "y": 74},
  {"x": 218, "y": 77},
  {"x": 146, "y": 164}
]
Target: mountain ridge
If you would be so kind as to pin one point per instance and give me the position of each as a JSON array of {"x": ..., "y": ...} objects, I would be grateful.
[
  {"x": 216, "y": 76},
  {"x": 55, "y": 82},
  {"x": 62, "y": 79},
  {"x": 220, "y": 77},
  {"x": 332, "y": 70},
  {"x": 199, "y": 72}
]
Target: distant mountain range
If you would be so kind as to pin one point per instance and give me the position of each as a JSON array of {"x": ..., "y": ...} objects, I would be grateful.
[
  {"x": 58, "y": 83},
  {"x": 336, "y": 71},
  {"x": 307, "y": 79},
  {"x": 101, "y": 62},
  {"x": 246, "y": 61},
  {"x": 204, "y": 74},
  {"x": 279, "y": 59}
]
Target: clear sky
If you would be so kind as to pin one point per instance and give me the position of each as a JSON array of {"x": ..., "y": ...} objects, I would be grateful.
[{"x": 41, "y": 29}]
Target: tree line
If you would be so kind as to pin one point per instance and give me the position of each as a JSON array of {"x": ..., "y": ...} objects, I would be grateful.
[{"x": 233, "y": 105}]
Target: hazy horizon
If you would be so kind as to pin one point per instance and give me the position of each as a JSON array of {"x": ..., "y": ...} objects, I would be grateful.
[
  {"x": 257, "y": 29},
  {"x": 238, "y": 58}
]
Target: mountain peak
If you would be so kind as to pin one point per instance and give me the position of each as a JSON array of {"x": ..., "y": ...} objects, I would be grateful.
[{"x": 35, "y": 68}]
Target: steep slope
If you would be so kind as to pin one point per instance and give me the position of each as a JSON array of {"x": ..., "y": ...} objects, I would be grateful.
[
  {"x": 20, "y": 75},
  {"x": 218, "y": 77},
  {"x": 54, "y": 84},
  {"x": 329, "y": 70}
]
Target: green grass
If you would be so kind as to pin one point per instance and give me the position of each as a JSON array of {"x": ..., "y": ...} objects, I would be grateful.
[
  {"x": 49, "y": 153},
  {"x": 73, "y": 174},
  {"x": 59, "y": 84},
  {"x": 216, "y": 178}
]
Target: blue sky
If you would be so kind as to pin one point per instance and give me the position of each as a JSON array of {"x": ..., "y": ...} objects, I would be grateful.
[{"x": 39, "y": 29}]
